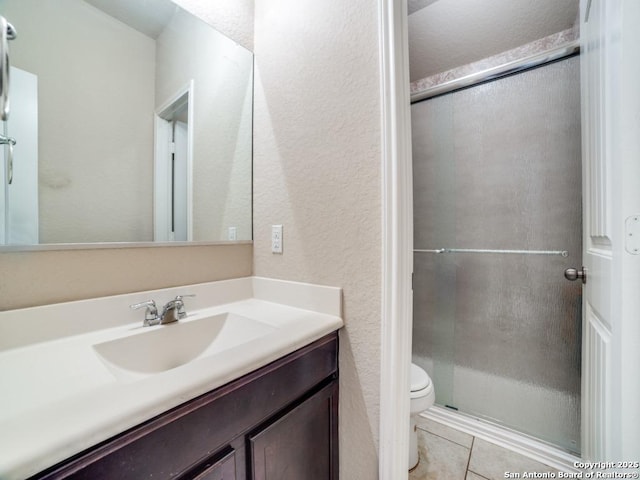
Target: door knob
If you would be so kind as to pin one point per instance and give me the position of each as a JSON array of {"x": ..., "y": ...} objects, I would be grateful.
[{"x": 573, "y": 274}]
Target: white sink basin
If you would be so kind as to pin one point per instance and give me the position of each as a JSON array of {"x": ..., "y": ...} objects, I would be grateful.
[{"x": 157, "y": 349}]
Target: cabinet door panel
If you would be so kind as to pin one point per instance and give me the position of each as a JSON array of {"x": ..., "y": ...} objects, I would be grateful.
[{"x": 300, "y": 444}]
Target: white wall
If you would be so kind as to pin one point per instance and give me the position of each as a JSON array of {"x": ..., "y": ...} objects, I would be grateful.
[
  {"x": 189, "y": 49},
  {"x": 91, "y": 165},
  {"x": 317, "y": 171}
]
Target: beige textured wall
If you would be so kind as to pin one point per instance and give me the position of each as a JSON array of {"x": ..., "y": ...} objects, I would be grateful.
[
  {"x": 40, "y": 278},
  {"x": 317, "y": 171}
]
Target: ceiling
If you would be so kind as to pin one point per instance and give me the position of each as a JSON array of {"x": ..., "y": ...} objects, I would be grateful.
[
  {"x": 444, "y": 34},
  {"x": 147, "y": 16}
]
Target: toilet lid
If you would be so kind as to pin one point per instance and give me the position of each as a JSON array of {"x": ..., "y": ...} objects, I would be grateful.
[{"x": 419, "y": 378}]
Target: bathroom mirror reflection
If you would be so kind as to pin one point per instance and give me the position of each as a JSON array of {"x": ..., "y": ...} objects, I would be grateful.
[{"x": 132, "y": 122}]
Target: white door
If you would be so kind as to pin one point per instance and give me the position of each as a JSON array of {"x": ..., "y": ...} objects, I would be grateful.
[
  {"x": 611, "y": 181},
  {"x": 173, "y": 165},
  {"x": 172, "y": 187},
  {"x": 162, "y": 231}
]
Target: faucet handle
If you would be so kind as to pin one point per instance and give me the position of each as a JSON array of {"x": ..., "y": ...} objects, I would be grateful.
[
  {"x": 181, "y": 312},
  {"x": 151, "y": 313},
  {"x": 180, "y": 297}
]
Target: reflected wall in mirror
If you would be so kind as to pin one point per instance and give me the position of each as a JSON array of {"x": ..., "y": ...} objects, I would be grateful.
[{"x": 103, "y": 74}]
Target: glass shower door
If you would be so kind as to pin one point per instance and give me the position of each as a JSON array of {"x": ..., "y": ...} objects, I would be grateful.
[
  {"x": 19, "y": 177},
  {"x": 497, "y": 220}
]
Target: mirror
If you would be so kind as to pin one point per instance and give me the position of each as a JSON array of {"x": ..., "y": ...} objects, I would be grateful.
[{"x": 133, "y": 123}]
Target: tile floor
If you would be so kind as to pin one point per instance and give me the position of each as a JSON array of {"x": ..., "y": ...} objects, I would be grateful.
[{"x": 448, "y": 454}]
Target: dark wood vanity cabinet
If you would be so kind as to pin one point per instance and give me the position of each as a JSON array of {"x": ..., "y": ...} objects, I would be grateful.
[{"x": 277, "y": 423}]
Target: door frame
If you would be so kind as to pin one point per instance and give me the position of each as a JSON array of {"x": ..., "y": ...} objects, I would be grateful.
[
  {"x": 161, "y": 177},
  {"x": 397, "y": 240}
]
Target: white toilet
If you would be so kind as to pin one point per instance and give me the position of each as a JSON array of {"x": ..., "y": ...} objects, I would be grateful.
[{"x": 422, "y": 397}]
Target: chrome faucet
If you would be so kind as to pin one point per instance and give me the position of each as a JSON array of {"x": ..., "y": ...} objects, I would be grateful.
[
  {"x": 171, "y": 312},
  {"x": 174, "y": 310}
]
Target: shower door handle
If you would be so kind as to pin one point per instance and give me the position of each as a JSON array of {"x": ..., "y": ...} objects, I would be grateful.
[{"x": 573, "y": 274}]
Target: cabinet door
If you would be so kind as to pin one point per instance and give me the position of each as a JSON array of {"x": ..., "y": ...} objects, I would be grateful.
[{"x": 301, "y": 444}]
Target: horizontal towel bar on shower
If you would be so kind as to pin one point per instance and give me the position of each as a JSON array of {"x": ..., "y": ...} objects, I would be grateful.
[{"x": 564, "y": 253}]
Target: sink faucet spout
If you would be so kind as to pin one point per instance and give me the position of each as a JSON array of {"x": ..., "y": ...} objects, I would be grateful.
[{"x": 174, "y": 310}]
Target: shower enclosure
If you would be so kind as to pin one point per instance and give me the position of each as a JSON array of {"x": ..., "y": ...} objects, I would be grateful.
[{"x": 497, "y": 220}]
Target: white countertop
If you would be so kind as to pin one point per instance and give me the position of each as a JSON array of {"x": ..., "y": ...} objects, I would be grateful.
[{"x": 58, "y": 398}]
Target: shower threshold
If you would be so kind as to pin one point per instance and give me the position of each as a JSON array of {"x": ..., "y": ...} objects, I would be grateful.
[{"x": 505, "y": 437}]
